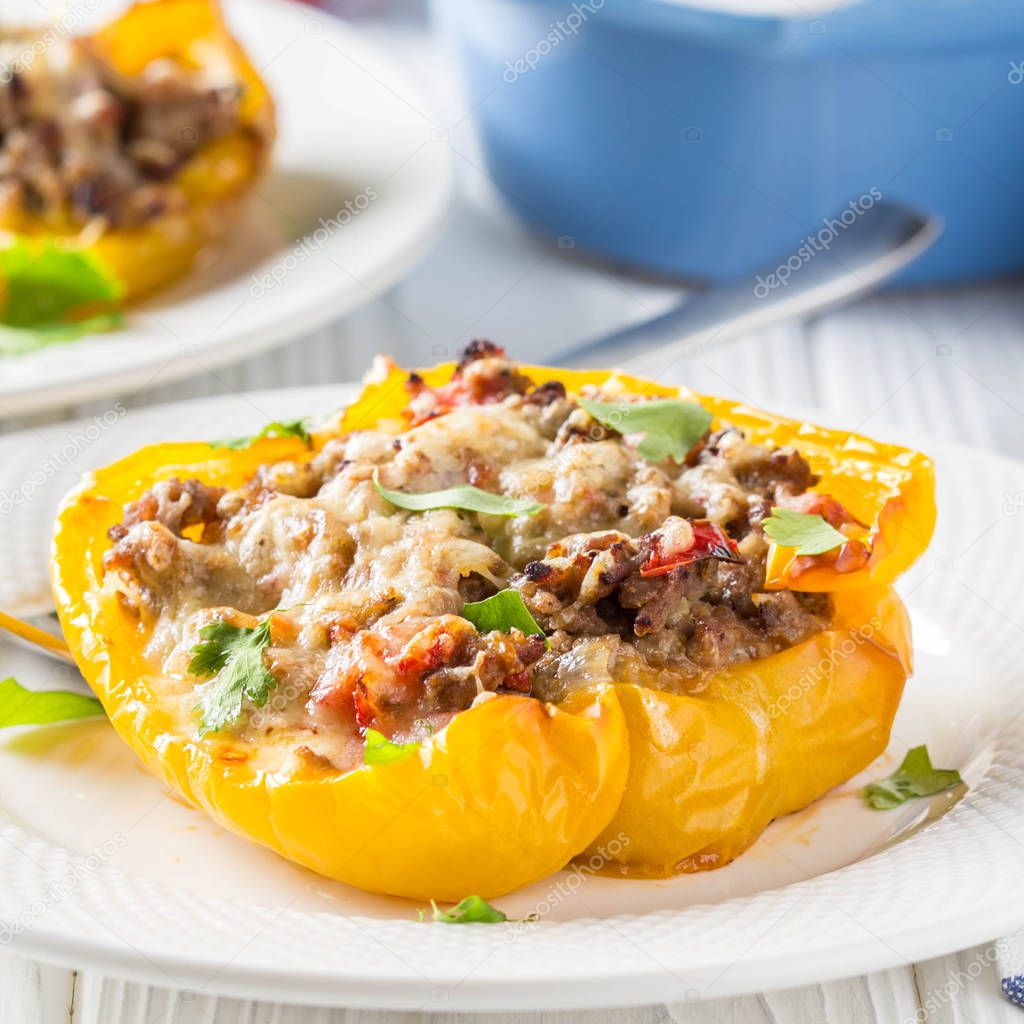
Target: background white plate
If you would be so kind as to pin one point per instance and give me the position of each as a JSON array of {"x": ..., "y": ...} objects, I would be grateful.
[
  {"x": 350, "y": 127},
  {"x": 104, "y": 869}
]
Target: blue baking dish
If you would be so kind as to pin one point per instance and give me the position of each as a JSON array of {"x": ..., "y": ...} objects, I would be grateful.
[{"x": 706, "y": 144}]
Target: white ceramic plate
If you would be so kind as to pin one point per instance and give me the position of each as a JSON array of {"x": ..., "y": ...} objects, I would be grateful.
[
  {"x": 355, "y": 148},
  {"x": 103, "y": 869}
]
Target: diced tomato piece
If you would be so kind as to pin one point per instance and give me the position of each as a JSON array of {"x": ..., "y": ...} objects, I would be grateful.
[
  {"x": 483, "y": 377},
  {"x": 824, "y": 505},
  {"x": 708, "y": 541},
  {"x": 433, "y": 646},
  {"x": 380, "y": 673},
  {"x": 365, "y": 716},
  {"x": 850, "y": 557}
]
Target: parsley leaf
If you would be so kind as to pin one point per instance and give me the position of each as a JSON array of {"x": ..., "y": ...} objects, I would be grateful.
[
  {"x": 914, "y": 777},
  {"x": 279, "y": 428},
  {"x": 471, "y": 910},
  {"x": 502, "y": 612},
  {"x": 670, "y": 427},
  {"x": 808, "y": 532},
  {"x": 464, "y": 496},
  {"x": 380, "y": 750},
  {"x": 45, "y": 291},
  {"x": 234, "y": 656},
  {"x": 19, "y": 706}
]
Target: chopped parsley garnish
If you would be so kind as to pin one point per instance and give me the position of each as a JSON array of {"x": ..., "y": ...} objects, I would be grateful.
[
  {"x": 670, "y": 427},
  {"x": 463, "y": 496},
  {"x": 471, "y": 910},
  {"x": 234, "y": 656},
  {"x": 502, "y": 613},
  {"x": 48, "y": 294},
  {"x": 279, "y": 428},
  {"x": 807, "y": 532},
  {"x": 915, "y": 777},
  {"x": 380, "y": 750},
  {"x": 19, "y": 706}
]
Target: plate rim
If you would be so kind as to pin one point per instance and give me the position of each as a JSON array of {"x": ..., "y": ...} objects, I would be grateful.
[{"x": 521, "y": 994}]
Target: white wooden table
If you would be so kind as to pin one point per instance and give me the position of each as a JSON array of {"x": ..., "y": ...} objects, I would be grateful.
[{"x": 949, "y": 363}]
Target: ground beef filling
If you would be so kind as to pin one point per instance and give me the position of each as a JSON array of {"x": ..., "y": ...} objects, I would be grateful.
[
  {"x": 76, "y": 139},
  {"x": 634, "y": 570},
  {"x": 686, "y": 622}
]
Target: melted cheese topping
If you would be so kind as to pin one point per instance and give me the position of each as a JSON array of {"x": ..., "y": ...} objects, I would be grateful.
[{"x": 368, "y": 596}]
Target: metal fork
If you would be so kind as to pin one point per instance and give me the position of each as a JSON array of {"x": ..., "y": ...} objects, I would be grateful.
[
  {"x": 880, "y": 242},
  {"x": 34, "y": 634}
]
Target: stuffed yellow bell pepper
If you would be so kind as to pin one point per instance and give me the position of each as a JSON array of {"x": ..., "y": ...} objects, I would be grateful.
[
  {"x": 136, "y": 144},
  {"x": 503, "y": 796},
  {"x": 495, "y": 617},
  {"x": 710, "y": 771}
]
